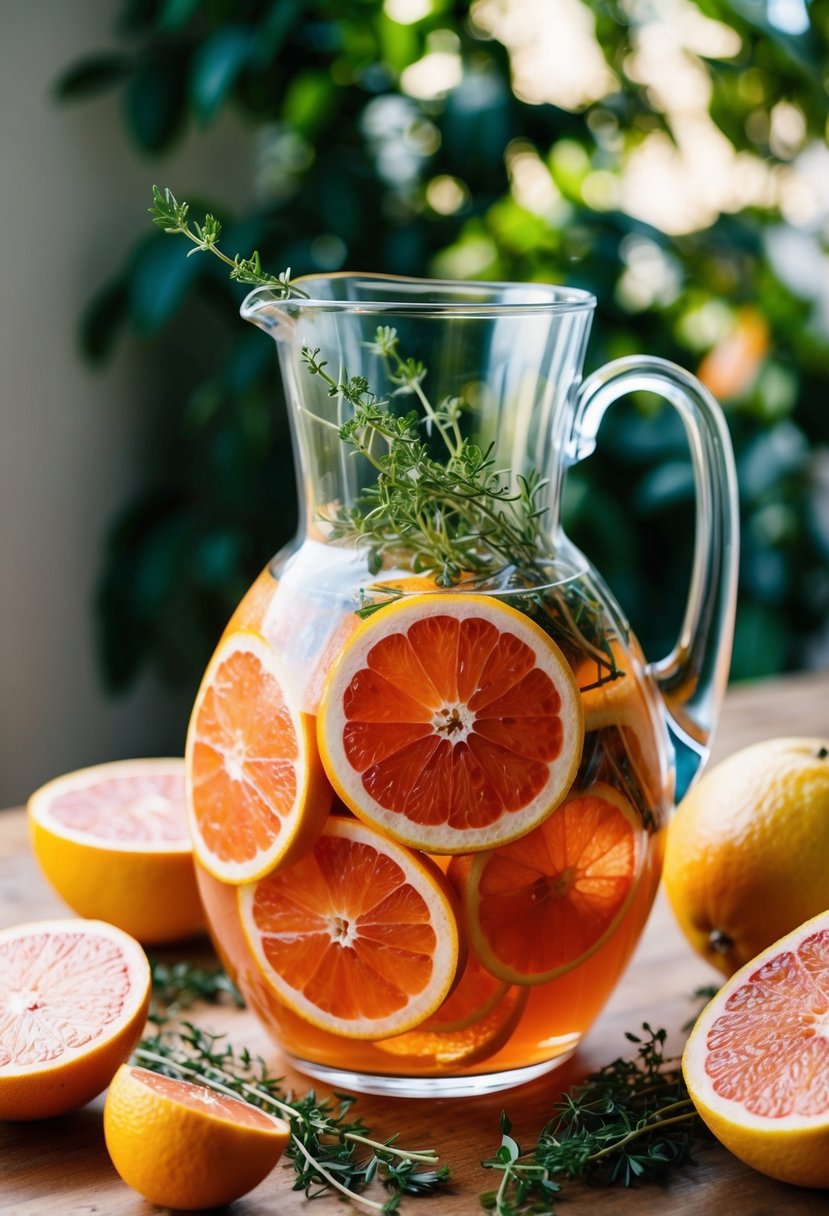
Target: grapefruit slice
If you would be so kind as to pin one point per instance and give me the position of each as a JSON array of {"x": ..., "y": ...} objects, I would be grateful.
[
  {"x": 451, "y": 722},
  {"x": 464, "y": 1045},
  {"x": 182, "y": 1145},
  {"x": 257, "y": 794},
  {"x": 358, "y": 937},
  {"x": 113, "y": 842},
  {"x": 757, "y": 1062},
  {"x": 74, "y": 997},
  {"x": 539, "y": 906},
  {"x": 474, "y": 996}
]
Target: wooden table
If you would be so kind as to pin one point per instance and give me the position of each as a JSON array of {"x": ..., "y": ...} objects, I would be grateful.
[{"x": 61, "y": 1168}]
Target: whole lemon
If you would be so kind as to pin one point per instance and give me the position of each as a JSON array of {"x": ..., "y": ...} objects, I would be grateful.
[{"x": 747, "y": 857}]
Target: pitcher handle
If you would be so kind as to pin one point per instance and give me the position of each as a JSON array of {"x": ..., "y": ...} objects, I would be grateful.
[{"x": 693, "y": 677}]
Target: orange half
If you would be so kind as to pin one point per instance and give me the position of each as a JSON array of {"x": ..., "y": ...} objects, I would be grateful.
[
  {"x": 358, "y": 937},
  {"x": 539, "y": 906},
  {"x": 452, "y": 722},
  {"x": 257, "y": 795}
]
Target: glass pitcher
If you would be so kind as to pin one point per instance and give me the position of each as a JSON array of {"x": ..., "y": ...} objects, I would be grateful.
[{"x": 429, "y": 767}]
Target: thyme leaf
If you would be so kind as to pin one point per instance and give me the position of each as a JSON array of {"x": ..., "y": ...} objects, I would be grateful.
[
  {"x": 632, "y": 1121},
  {"x": 329, "y": 1149}
]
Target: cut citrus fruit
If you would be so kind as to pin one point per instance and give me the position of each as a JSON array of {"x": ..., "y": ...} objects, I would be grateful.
[
  {"x": 182, "y": 1145},
  {"x": 757, "y": 1062},
  {"x": 464, "y": 1045},
  {"x": 539, "y": 906},
  {"x": 475, "y": 995},
  {"x": 113, "y": 842},
  {"x": 74, "y": 997},
  {"x": 358, "y": 937},
  {"x": 257, "y": 793},
  {"x": 452, "y": 722}
]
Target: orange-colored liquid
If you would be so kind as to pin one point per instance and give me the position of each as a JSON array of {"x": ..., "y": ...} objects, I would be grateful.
[{"x": 529, "y": 1024}]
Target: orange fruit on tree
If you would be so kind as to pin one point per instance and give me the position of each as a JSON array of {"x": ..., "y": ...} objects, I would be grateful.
[
  {"x": 113, "y": 842},
  {"x": 359, "y": 936},
  {"x": 257, "y": 794},
  {"x": 182, "y": 1145},
  {"x": 746, "y": 853},
  {"x": 757, "y": 1062},
  {"x": 451, "y": 722},
  {"x": 74, "y": 996},
  {"x": 537, "y": 907}
]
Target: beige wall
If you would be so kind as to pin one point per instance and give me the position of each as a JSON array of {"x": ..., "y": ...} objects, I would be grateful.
[{"x": 73, "y": 195}]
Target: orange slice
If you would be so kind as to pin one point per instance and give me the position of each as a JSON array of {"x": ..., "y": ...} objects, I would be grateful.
[
  {"x": 539, "y": 906},
  {"x": 475, "y": 995},
  {"x": 757, "y": 1062},
  {"x": 74, "y": 996},
  {"x": 463, "y": 1045},
  {"x": 452, "y": 722},
  {"x": 632, "y": 720},
  {"x": 257, "y": 795},
  {"x": 113, "y": 842},
  {"x": 184, "y": 1146},
  {"x": 358, "y": 937}
]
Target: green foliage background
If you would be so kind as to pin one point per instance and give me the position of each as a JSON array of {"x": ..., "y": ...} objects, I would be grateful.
[{"x": 347, "y": 174}]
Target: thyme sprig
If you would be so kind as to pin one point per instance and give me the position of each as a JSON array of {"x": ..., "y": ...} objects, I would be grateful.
[
  {"x": 452, "y": 517},
  {"x": 457, "y": 517},
  {"x": 328, "y": 1148},
  {"x": 629, "y": 1122},
  {"x": 171, "y": 216},
  {"x": 177, "y": 986}
]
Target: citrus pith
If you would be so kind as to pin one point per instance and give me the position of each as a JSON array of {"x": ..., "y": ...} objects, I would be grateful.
[
  {"x": 181, "y": 1145},
  {"x": 74, "y": 996},
  {"x": 359, "y": 936},
  {"x": 113, "y": 842},
  {"x": 452, "y": 722},
  {"x": 257, "y": 795},
  {"x": 757, "y": 1062}
]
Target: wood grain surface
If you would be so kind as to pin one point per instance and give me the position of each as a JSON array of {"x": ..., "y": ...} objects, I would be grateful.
[{"x": 60, "y": 1167}]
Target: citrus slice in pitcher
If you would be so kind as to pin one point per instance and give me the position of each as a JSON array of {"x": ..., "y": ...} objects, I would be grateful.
[
  {"x": 359, "y": 936},
  {"x": 257, "y": 795},
  {"x": 757, "y": 1062},
  {"x": 465, "y": 1045},
  {"x": 74, "y": 996},
  {"x": 113, "y": 842},
  {"x": 452, "y": 722},
  {"x": 541, "y": 905}
]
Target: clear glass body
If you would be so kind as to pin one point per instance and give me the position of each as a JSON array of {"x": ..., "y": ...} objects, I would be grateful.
[{"x": 513, "y": 354}]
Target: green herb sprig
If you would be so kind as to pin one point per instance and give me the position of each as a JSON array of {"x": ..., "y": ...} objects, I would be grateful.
[
  {"x": 171, "y": 216},
  {"x": 458, "y": 517},
  {"x": 632, "y": 1121},
  {"x": 451, "y": 517},
  {"x": 177, "y": 986},
  {"x": 329, "y": 1150}
]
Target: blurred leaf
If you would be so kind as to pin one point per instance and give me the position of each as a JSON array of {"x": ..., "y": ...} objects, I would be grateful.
[
  {"x": 175, "y": 14},
  {"x": 92, "y": 74},
  {"x": 154, "y": 101},
  {"x": 103, "y": 318},
  {"x": 159, "y": 281},
  {"x": 216, "y": 67}
]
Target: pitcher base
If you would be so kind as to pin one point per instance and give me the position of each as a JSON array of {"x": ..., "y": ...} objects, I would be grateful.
[{"x": 425, "y": 1086}]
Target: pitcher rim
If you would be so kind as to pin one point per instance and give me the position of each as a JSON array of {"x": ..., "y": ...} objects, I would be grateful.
[{"x": 560, "y": 298}]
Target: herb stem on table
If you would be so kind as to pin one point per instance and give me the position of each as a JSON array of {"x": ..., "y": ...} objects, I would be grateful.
[
  {"x": 631, "y": 1121},
  {"x": 324, "y": 1140}
]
